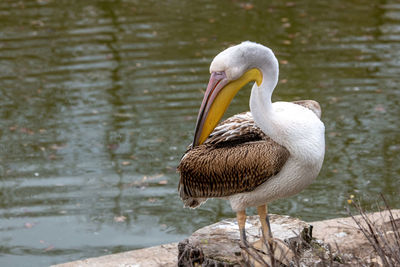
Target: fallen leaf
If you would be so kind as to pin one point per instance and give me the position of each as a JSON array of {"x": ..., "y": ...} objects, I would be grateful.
[
  {"x": 29, "y": 225},
  {"x": 38, "y": 23},
  {"x": 125, "y": 163},
  {"x": 113, "y": 146},
  {"x": 58, "y": 147},
  {"x": 247, "y": 6},
  {"x": 27, "y": 131},
  {"x": 334, "y": 134},
  {"x": 380, "y": 108},
  {"x": 163, "y": 182},
  {"x": 125, "y": 115},
  {"x": 51, "y": 247},
  {"x": 333, "y": 100},
  {"x": 119, "y": 218},
  {"x": 159, "y": 175}
]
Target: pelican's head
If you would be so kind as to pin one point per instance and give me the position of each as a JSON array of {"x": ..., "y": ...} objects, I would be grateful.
[
  {"x": 230, "y": 71},
  {"x": 238, "y": 59}
]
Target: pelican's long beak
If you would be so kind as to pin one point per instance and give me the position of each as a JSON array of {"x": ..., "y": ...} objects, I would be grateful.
[{"x": 219, "y": 94}]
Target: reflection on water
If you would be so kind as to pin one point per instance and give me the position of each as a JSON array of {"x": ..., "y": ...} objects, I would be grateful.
[{"x": 99, "y": 98}]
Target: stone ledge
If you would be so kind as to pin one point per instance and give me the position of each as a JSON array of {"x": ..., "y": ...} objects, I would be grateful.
[
  {"x": 218, "y": 243},
  {"x": 345, "y": 233},
  {"x": 164, "y": 255},
  {"x": 341, "y": 231}
]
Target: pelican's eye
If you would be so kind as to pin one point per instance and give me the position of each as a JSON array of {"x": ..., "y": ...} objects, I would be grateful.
[{"x": 219, "y": 75}]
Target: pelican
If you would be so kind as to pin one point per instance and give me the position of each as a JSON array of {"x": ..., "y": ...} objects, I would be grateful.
[{"x": 272, "y": 152}]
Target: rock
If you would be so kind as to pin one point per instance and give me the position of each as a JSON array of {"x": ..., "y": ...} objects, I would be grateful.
[
  {"x": 164, "y": 255},
  {"x": 218, "y": 244},
  {"x": 345, "y": 235}
]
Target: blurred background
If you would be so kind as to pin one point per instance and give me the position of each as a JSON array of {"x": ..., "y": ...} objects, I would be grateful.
[{"x": 98, "y": 102}]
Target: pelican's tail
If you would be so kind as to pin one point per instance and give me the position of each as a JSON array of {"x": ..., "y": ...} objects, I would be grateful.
[{"x": 188, "y": 201}]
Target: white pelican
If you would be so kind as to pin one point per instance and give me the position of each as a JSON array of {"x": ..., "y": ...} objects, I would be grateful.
[{"x": 252, "y": 158}]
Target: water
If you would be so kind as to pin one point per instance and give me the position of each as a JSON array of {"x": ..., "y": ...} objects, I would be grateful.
[{"x": 99, "y": 100}]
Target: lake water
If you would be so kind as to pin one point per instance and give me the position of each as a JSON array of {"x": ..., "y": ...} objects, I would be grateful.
[{"x": 99, "y": 101}]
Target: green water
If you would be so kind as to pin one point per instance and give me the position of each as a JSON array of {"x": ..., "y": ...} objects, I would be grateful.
[{"x": 99, "y": 100}]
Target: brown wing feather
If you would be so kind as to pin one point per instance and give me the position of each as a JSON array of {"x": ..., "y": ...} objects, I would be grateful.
[
  {"x": 239, "y": 128},
  {"x": 211, "y": 171},
  {"x": 310, "y": 104},
  {"x": 236, "y": 158}
]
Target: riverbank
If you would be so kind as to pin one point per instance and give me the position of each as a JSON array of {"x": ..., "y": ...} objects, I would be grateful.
[{"x": 341, "y": 233}]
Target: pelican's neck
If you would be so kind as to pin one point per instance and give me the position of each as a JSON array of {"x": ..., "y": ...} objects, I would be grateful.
[{"x": 260, "y": 99}]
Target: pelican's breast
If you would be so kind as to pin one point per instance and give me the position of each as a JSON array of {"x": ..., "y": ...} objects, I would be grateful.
[{"x": 298, "y": 129}]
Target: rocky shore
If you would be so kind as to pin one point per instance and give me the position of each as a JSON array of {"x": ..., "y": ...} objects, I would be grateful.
[{"x": 217, "y": 244}]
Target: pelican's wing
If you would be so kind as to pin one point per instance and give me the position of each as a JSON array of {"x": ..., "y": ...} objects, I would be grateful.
[
  {"x": 310, "y": 104},
  {"x": 239, "y": 128},
  {"x": 236, "y": 158}
]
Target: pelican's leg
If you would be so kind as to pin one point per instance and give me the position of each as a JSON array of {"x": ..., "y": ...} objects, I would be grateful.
[
  {"x": 279, "y": 250},
  {"x": 265, "y": 226},
  {"x": 241, "y": 218}
]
